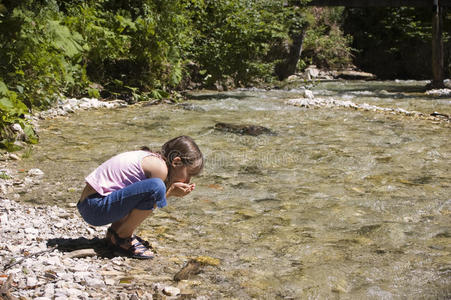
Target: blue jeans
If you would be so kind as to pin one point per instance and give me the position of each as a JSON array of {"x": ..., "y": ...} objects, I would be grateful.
[{"x": 98, "y": 210}]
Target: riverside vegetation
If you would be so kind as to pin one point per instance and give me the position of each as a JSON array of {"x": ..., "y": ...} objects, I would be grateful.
[{"x": 150, "y": 49}]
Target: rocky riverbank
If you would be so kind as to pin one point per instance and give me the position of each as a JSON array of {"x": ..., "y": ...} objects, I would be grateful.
[{"x": 47, "y": 252}]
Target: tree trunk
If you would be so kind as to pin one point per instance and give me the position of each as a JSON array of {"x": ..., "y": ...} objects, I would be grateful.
[
  {"x": 437, "y": 47},
  {"x": 288, "y": 67}
]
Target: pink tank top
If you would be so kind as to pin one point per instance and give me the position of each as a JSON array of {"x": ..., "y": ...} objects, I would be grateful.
[{"x": 118, "y": 172}]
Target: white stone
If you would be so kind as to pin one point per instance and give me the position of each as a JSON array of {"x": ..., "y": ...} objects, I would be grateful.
[
  {"x": 171, "y": 291},
  {"x": 123, "y": 296},
  {"x": 79, "y": 268},
  {"x": 81, "y": 276},
  {"x": 311, "y": 72},
  {"x": 4, "y": 220},
  {"x": 67, "y": 108},
  {"x": 35, "y": 172},
  {"x": 14, "y": 156},
  {"x": 110, "y": 281},
  {"x": 59, "y": 225},
  {"x": 31, "y": 230},
  {"x": 147, "y": 296},
  {"x": 17, "y": 128},
  {"x": 95, "y": 282},
  {"x": 308, "y": 94},
  {"x": 53, "y": 261},
  {"x": 32, "y": 281},
  {"x": 60, "y": 296},
  {"x": 85, "y": 105}
]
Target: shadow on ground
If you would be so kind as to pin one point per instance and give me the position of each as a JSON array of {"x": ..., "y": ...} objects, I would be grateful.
[{"x": 100, "y": 246}]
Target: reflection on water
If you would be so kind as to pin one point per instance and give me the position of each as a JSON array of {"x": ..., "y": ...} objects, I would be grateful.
[{"x": 338, "y": 204}]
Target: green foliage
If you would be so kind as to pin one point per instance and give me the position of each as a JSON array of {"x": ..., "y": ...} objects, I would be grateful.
[
  {"x": 145, "y": 49},
  {"x": 395, "y": 42},
  {"x": 233, "y": 38},
  {"x": 325, "y": 45},
  {"x": 12, "y": 111},
  {"x": 39, "y": 55},
  {"x": 4, "y": 175}
]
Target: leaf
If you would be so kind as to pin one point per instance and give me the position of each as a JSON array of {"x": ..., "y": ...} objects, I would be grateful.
[
  {"x": 6, "y": 104},
  {"x": 3, "y": 88},
  {"x": 9, "y": 145}
]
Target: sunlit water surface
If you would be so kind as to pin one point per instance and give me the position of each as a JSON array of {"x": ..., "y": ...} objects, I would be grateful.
[{"x": 338, "y": 204}]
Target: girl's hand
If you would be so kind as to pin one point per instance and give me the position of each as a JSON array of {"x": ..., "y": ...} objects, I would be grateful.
[{"x": 180, "y": 189}]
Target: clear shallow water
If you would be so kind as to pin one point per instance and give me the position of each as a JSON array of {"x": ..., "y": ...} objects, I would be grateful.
[{"x": 339, "y": 204}]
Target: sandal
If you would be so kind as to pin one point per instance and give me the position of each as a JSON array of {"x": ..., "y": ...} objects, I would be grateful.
[
  {"x": 110, "y": 232},
  {"x": 137, "y": 247},
  {"x": 142, "y": 241}
]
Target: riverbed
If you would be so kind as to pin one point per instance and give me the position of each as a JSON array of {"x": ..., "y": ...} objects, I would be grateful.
[{"x": 338, "y": 203}]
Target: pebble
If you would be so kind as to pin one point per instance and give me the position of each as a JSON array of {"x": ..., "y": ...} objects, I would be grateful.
[
  {"x": 14, "y": 157},
  {"x": 171, "y": 291},
  {"x": 35, "y": 172}
]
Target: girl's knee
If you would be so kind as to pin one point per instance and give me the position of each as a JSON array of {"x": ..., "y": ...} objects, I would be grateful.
[{"x": 158, "y": 186}]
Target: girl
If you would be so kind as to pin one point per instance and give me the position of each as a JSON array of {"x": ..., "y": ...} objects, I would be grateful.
[{"x": 125, "y": 189}]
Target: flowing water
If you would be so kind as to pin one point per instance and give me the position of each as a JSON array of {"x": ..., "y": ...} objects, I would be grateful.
[{"x": 338, "y": 204}]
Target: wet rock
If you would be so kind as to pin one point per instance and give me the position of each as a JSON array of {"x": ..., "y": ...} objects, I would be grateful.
[
  {"x": 191, "y": 268},
  {"x": 440, "y": 115},
  {"x": 252, "y": 130},
  {"x": 191, "y": 107}
]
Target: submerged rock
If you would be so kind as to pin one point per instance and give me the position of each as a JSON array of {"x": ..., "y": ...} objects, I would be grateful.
[
  {"x": 191, "y": 268},
  {"x": 192, "y": 107},
  {"x": 253, "y": 130}
]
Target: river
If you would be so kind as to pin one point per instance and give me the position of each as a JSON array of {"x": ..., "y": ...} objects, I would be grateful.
[{"x": 338, "y": 204}]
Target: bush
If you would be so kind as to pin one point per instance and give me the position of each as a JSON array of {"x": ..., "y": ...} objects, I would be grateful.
[
  {"x": 325, "y": 45},
  {"x": 12, "y": 111},
  {"x": 39, "y": 55}
]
